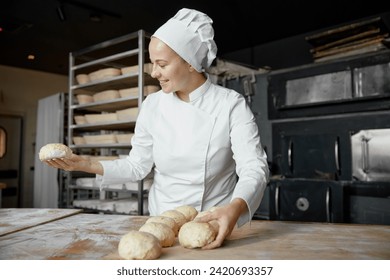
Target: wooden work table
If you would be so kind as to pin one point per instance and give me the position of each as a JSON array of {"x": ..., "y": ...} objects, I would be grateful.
[{"x": 42, "y": 234}]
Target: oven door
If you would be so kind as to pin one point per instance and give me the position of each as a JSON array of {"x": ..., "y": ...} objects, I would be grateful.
[
  {"x": 370, "y": 155},
  {"x": 306, "y": 200}
]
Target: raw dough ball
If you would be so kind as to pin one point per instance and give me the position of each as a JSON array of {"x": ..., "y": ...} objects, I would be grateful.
[
  {"x": 188, "y": 211},
  {"x": 213, "y": 223},
  {"x": 165, "y": 220},
  {"x": 202, "y": 213},
  {"x": 54, "y": 150},
  {"x": 179, "y": 218},
  {"x": 196, "y": 235},
  {"x": 162, "y": 231},
  {"x": 139, "y": 245}
]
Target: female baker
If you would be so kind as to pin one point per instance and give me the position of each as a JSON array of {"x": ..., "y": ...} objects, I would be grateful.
[{"x": 200, "y": 139}]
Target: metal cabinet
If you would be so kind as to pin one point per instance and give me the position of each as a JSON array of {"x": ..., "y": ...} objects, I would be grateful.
[
  {"x": 310, "y": 156},
  {"x": 306, "y": 200},
  {"x": 330, "y": 132},
  {"x": 321, "y": 148},
  {"x": 355, "y": 84},
  {"x": 367, "y": 202}
]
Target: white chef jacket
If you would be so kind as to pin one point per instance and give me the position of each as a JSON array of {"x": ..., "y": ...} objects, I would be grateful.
[{"x": 197, "y": 149}]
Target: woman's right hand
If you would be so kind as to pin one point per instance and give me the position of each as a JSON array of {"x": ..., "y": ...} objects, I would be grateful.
[{"x": 76, "y": 163}]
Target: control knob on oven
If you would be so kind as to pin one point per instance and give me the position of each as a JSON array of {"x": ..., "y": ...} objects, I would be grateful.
[{"x": 302, "y": 203}]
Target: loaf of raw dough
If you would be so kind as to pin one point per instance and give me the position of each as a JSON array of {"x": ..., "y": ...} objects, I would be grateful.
[
  {"x": 196, "y": 235},
  {"x": 104, "y": 74},
  {"x": 162, "y": 231},
  {"x": 179, "y": 218},
  {"x": 82, "y": 79},
  {"x": 213, "y": 223},
  {"x": 54, "y": 150},
  {"x": 188, "y": 211},
  {"x": 106, "y": 95},
  {"x": 165, "y": 220},
  {"x": 139, "y": 245}
]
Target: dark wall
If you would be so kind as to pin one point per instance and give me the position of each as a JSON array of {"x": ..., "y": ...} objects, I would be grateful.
[
  {"x": 275, "y": 55},
  {"x": 289, "y": 52}
]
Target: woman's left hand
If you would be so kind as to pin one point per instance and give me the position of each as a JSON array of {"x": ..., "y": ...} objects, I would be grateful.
[{"x": 225, "y": 218}]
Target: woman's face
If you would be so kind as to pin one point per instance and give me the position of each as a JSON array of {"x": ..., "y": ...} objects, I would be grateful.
[{"x": 169, "y": 68}]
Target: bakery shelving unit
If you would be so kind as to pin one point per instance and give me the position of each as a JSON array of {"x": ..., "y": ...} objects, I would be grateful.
[{"x": 109, "y": 67}]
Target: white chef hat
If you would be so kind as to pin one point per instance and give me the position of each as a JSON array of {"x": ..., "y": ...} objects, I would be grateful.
[{"x": 190, "y": 34}]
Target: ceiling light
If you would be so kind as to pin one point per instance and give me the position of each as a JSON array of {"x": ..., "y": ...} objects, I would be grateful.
[
  {"x": 95, "y": 17},
  {"x": 31, "y": 57}
]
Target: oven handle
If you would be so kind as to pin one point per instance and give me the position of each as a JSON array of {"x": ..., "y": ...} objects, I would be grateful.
[
  {"x": 327, "y": 201},
  {"x": 277, "y": 201},
  {"x": 336, "y": 154},
  {"x": 289, "y": 155},
  {"x": 365, "y": 165}
]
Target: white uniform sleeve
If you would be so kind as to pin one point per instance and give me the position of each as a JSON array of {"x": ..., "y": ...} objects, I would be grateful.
[
  {"x": 139, "y": 162},
  {"x": 250, "y": 157}
]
